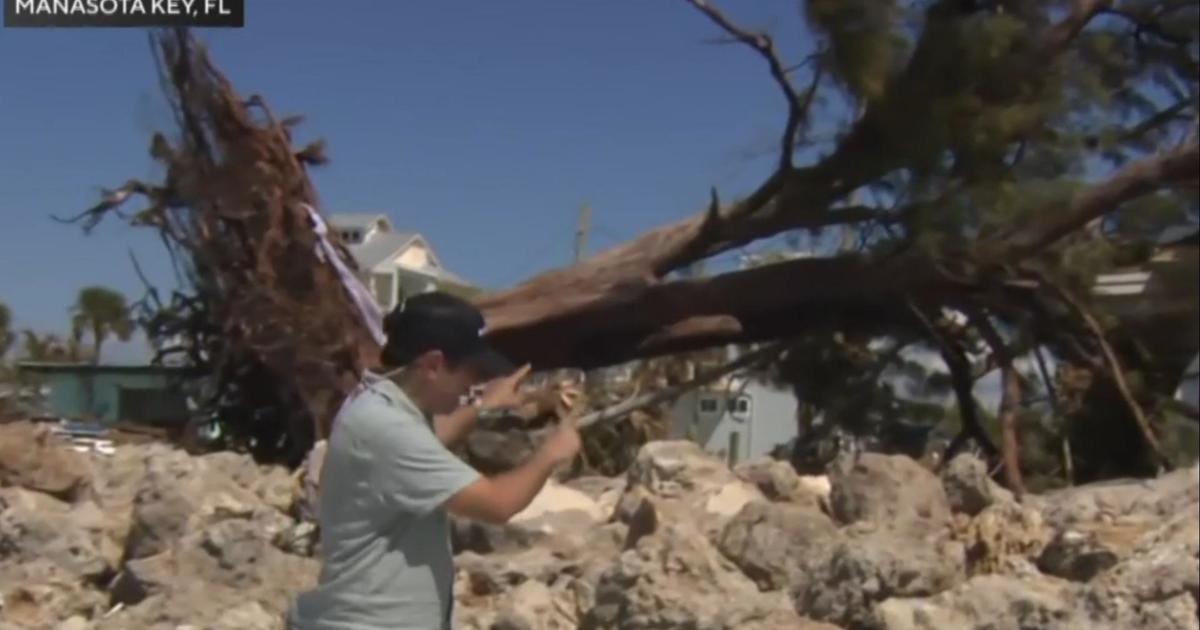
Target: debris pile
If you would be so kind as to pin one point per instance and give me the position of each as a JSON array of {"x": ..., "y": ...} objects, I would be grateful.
[{"x": 151, "y": 537}]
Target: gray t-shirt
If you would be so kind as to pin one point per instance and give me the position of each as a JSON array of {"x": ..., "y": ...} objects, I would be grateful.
[{"x": 385, "y": 537}]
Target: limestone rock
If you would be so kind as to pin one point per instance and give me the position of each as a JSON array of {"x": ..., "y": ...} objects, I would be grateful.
[
  {"x": 988, "y": 601},
  {"x": 559, "y": 509},
  {"x": 1110, "y": 501},
  {"x": 33, "y": 458},
  {"x": 638, "y": 512},
  {"x": 1158, "y": 584},
  {"x": 676, "y": 579},
  {"x": 1003, "y": 536},
  {"x": 605, "y": 491},
  {"x": 212, "y": 578},
  {"x": 299, "y": 539},
  {"x": 871, "y": 564},
  {"x": 180, "y": 495},
  {"x": 249, "y": 616},
  {"x": 37, "y": 526},
  {"x": 516, "y": 590},
  {"x": 688, "y": 484},
  {"x": 888, "y": 489},
  {"x": 307, "y": 503},
  {"x": 1154, "y": 588},
  {"x": 1085, "y": 551},
  {"x": 40, "y": 594},
  {"x": 74, "y": 623},
  {"x": 768, "y": 541},
  {"x": 777, "y": 480},
  {"x": 968, "y": 488},
  {"x": 1006, "y": 602},
  {"x": 530, "y": 606},
  {"x": 276, "y": 488}
]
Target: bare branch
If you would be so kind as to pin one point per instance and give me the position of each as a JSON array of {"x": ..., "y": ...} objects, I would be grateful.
[
  {"x": 960, "y": 376},
  {"x": 757, "y": 357},
  {"x": 1062, "y": 33},
  {"x": 1145, "y": 25},
  {"x": 762, "y": 43},
  {"x": 1010, "y": 402},
  {"x": 1157, "y": 120},
  {"x": 1114, "y": 370}
]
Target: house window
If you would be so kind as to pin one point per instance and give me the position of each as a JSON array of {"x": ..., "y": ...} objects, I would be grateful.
[
  {"x": 740, "y": 405},
  {"x": 708, "y": 404}
]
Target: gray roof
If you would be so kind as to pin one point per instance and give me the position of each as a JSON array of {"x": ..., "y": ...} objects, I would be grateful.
[
  {"x": 449, "y": 276},
  {"x": 356, "y": 219},
  {"x": 380, "y": 247}
]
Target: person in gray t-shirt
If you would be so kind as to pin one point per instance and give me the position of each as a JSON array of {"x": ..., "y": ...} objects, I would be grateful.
[{"x": 389, "y": 479}]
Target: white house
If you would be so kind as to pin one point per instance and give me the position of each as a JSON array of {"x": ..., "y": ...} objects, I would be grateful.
[
  {"x": 745, "y": 416},
  {"x": 737, "y": 418},
  {"x": 391, "y": 263}
]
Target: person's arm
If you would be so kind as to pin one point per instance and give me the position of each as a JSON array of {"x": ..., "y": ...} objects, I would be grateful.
[
  {"x": 451, "y": 428},
  {"x": 502, "y": 393},
  {"x": 498, "y": 498}
]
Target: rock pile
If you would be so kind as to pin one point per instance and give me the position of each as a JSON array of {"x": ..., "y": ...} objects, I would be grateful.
[{"x": 153, "y": 538}]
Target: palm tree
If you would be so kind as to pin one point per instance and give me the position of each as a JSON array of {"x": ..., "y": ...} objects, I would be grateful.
[
  {"x": 40, "y": 347},
  {"x": 101, "y": 312},
  {"x": 48, "y": 347}
]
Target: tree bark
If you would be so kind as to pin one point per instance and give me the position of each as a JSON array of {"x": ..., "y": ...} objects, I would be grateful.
[
  {"x": 635, "y": 321},
  {"x": 1010, "y": 404},
  {"x": 615, "y": 307}
]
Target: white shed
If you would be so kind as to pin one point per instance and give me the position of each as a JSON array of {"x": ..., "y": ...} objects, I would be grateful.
[{"x": 739, "y": 419}]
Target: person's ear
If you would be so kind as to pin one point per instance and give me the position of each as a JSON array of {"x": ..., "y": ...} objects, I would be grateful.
[{"x": 432, "y": 361}]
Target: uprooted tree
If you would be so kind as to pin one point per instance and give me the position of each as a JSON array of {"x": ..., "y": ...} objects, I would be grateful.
[{"x": 990, "y": 158}]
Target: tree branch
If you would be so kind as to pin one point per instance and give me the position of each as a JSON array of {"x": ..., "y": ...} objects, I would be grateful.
[
  {"x": 1010, "y": 402},
  {"x": 1157, "y": 120},
  {"x": 1062, "y": 33},
  {"x": 757, "y": 357},
  {"x": 762, "y": 43},
  {"x": 1175, "y": 168},
  {"x": 960, "y": 377},
  {"x": 1145, "y": 26},
  {"x": 1115, "y": 372}
]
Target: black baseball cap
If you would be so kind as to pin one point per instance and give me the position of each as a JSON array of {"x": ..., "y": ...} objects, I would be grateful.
[{"x": 441, "y": 321}]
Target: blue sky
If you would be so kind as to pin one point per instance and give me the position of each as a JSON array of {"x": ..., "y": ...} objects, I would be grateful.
[{"x": 482, "y": 125}]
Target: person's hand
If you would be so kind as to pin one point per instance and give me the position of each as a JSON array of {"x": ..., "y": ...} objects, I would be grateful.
[
  {"x": 560, "y": 399},
  {"x": 562, "y": 445},
  {"x": 504, "y": 393}
]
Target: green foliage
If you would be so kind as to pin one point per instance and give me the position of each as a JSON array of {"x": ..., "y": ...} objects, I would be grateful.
[
  {"x": 102, "y": 313},
  {"x": 864, "y": 39},
  {"x": 866, "y": 386},
  {"x": 49, "y": 347}
]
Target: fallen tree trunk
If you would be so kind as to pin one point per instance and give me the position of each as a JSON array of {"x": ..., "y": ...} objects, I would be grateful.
[
  {"x": 634, "y": 321},
  {"x": 615, "y": 307}
]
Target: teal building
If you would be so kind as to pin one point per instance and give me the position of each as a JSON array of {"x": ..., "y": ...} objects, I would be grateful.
[{"x": 144, "y": 394}]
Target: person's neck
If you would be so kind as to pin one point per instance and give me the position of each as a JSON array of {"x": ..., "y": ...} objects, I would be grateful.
[{"x": 408, "y": 384}]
